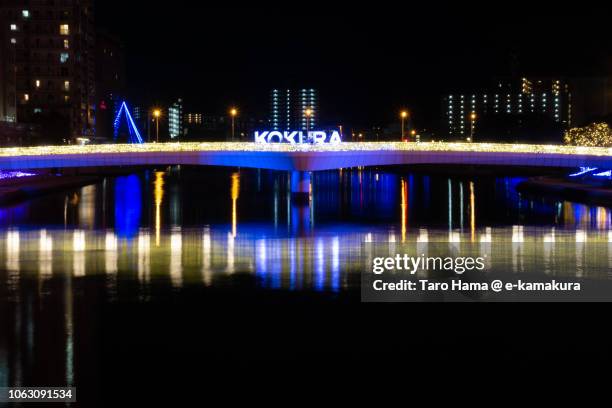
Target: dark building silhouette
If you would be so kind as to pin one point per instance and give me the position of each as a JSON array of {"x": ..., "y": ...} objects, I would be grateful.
[
  {"x": 218, "y": 128},
  {"x": 110, "y": 82},
  {"x": 592, "y": 100}
]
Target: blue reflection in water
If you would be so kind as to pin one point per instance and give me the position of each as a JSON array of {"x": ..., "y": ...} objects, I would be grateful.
[
  {"x": 128, "y": 206},
  {"x": 319, "y": 278},
  {"x": 359, "y": 193},
  {"x": 335, "y": 269},
  {"x": 300, "y": 219},
  {"x": 580, "y": 213},
  {"x": 9, "y": 216},
  {"x": 292, "y": 262},
  {"x": 261, "y": 270}
]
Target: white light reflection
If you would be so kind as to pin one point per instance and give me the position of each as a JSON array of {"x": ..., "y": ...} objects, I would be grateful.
[
  {"x": 45, "y": 256},
  {"x": 518, "y": 234},
  {"x": 454, "y": 237},
  {"x": 12, "y": 259},
  {"x": 581, "y": 239},
  {"x": 78, "y": 248},
  {"x": 206, "y": 257},
  {"x": 486, "y": 237},
  {"x": 549, "y": 246},
  {"x": 12, "y": 251},
  {"x": 110, "y": 253},
  {"x": 518, "y": 238},
  {"x": 176, "y": 255},
  {"x": 261, "y": 261},
  {"x": 230, "y": 253},
  {"x": 144, "y": 256}
]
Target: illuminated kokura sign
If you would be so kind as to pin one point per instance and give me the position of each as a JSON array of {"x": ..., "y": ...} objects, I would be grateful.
[{"x": 298, "y": 137}]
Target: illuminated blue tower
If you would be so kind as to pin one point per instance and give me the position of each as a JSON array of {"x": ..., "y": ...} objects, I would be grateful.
[{"x": 134, "y": 134}]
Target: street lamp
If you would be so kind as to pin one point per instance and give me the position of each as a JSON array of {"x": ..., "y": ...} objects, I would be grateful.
[
  {"x": 308, "y": 113},
  {"x": 233, "y": 113},
  {"x": 404, "y": 116},
  {"x": 14, "y": 42},
  {"x": 473, "y": 122},
  {"x": 156, "y": 115}
]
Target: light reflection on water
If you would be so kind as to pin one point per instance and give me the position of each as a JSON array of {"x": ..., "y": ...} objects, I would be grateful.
[
  {"x": 158, "y": 225},
  {"x": 327, "y": 261},
  {"x": 126, "y": 237}
]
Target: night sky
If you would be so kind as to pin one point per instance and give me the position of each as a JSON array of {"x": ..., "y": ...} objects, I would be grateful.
[{"x": 367, "y": 62}]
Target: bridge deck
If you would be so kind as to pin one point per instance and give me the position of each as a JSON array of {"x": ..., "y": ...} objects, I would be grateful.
[{"x": 304, "y": 157}]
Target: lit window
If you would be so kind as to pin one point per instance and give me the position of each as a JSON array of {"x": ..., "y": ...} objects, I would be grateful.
[
  {"x": 13, "y": 27},
  {"x": 63, "y": 57},
  {"x": 38, "y": 83},
  {"x": 25, "y": 13},
  {"x": 13, "y": 41},
  {"x": 64, "y": 29},
  {"x": 66, "y": 44},
  {"x": 67, "y": 85},
  {"x": 26, "y": 97}
]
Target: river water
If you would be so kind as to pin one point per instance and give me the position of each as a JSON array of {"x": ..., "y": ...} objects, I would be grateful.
[{"x": 149, "y": 272}]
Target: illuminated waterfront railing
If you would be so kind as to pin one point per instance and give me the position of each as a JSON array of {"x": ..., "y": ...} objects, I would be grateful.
[{"x": 279, "y": 147}]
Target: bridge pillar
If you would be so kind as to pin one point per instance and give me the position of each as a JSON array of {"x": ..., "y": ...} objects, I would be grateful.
[
  {"x": 300, "y": 186},
  {"x": 301, "y": 206}
]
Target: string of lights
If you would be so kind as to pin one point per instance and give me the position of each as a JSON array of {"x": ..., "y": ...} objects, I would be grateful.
[
  {"x": 279, "y": 147},
  {"x": 596, "y": 134},
  {"x": 132, "y": 129}
]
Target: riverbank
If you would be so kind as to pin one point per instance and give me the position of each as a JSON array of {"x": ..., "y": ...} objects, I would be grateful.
[
  {"x": 25, "y": 188},
  {"x": 17, "y": 189},
  {"x": 567, "y": 190}
]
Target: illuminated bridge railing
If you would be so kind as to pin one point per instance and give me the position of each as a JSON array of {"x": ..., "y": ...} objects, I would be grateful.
[{"x": 304, "y": 157}]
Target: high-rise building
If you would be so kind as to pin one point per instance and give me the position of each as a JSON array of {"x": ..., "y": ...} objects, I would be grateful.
[
  {"x": 175, "y": 119},
  {"x": 47, "y": 65},
  {"x": 513, "y": 110},
  {"x": 294, "y": 109}
]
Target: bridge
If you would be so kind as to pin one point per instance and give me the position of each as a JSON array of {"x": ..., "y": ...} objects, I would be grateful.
[{"x": 305, "y": 157}]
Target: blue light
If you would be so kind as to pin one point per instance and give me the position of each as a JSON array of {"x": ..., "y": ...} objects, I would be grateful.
[
  {"x": 134, "y": 133},
  {"x": 583, "y": 171},
  {"x": 604, "y": 174},
  {"x": 128, "y": 206}
]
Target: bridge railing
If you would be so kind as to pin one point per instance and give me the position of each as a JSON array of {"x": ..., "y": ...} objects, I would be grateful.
[{"x": 288, "y": 148}]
